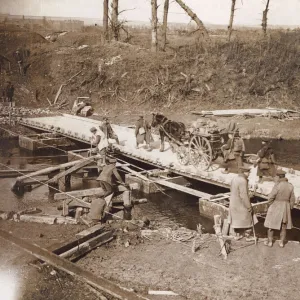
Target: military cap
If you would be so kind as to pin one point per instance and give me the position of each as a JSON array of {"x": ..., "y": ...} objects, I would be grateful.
[
  {"x": 93, "y": 129},
  {"x": 244, "y": 169},
  {"x": 112, "y": 160},
  {"x": 280, "y": 172}
]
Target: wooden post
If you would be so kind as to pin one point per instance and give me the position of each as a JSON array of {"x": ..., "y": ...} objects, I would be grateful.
[
  {"x": 217, "y": 227},
  {"x": 154, "y": 26}
]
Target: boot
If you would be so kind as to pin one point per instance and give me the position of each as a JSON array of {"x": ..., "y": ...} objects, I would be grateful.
[
  {"x": 282, "y": 235},
  {"x": 269, "y": 241}
]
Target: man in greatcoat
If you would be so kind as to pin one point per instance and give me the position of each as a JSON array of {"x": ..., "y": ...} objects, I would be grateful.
[
  {"x": 241, "y": 216},
  {"x": 143, "y": 132},
  {"x": 281, "y": 201},
  {"x": 266, "y": 161}
]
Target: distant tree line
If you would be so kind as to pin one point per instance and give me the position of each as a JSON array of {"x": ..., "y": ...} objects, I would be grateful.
[{"x": 111, "y": 21}]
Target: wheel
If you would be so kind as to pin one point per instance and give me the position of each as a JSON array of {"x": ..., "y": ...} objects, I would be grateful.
[
  {"x": 200, "y": 152},
  {"x": 182, "y": 155}
]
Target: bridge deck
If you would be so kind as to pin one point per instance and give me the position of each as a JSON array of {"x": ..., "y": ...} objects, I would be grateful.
[{"x": 78, "y": 128}]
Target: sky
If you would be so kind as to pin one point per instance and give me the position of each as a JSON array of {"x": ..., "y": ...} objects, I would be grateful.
[{"x": 249, "y": 12}]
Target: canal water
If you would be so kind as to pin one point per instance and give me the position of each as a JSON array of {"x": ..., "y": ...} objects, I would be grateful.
[{"x": 171, "y": 209}]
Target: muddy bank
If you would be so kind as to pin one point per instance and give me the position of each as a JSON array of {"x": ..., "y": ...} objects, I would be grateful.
[{"x": 157, "y": 263}]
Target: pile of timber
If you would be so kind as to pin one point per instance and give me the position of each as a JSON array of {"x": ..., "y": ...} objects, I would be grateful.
[{"x": 271, "y": 112}]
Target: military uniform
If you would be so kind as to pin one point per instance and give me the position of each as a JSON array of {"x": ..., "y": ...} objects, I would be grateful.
[
  {"x": 266, "y": 162},
  {"x": 142, "y": 131},
  {"x": 108, "y": 131},
  {"x": 234, "y": 149},
  {"x": 281, "y": 200},
  {"x": 240, "y": 209},
  {"x": 105, "y": 177}
]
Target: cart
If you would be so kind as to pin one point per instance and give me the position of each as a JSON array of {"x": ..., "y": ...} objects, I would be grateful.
[{"x": 198, "y": 148}]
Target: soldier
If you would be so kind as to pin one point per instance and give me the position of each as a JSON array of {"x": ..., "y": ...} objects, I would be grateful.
[
  {"x": 266, "y": 161},
  {"x": 233, "y": 149},
  {"x": 143, "y": 132},
  {"x": 9, "y": 92},
  {"x": 99, "y": 140},
  {"x": 281, "y": 201},
  {"x": 108, "y": 131},
  {"x": 241, "y": 215},
  {"x": 105, "y": 177}
]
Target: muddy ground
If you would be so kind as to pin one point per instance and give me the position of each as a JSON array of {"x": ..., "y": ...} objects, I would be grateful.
[{"x": 157, "y": 263}]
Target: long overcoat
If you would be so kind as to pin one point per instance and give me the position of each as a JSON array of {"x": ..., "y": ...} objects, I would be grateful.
[
  {"x": 240, "y": 215},
  {"x": 282, "y": 200},
  {"x": 140, "y": 138}
]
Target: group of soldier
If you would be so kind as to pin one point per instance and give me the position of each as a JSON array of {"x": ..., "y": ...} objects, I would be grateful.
[{"x": 241, "y": 215}]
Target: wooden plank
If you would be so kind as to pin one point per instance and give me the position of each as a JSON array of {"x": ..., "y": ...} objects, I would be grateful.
[
  {"x": 90, "y": 192},
  {"x": 217, "y": 228},
  {"x": 183, "y": 189},
  {"x": 79, "y": 165},
  {"x": 62, "y": 264},
  {"x": 90, "y": 231},
  {"x": 87, "y": 246},
  {"x": 47, "y": 170}
]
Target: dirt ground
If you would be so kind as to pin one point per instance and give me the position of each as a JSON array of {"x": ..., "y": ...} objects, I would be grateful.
[
  {"x": 33, "y": 281},
  {"x": 157, "y": 263}
]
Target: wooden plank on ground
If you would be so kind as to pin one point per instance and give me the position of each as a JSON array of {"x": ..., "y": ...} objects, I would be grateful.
[
  {"x": 183, "y": 189},
  {"x": 100, "y": 283},
  {"x": 90, "y": 231},
  {"x": 85, "y": 247}
]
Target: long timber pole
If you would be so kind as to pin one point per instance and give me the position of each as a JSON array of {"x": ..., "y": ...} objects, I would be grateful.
[{"x": 63, "y": 264}]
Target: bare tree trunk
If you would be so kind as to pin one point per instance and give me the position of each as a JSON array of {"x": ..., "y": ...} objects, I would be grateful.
[
  {"x": 105, "y": 19},
  {"x": 230, "y": 26},
  {"x": 114, "y": 19},
  {"x": 264, "y": 23},
  {"x": 194, "y": 18},
  {"x": 154, "y": 26},
  {"x": 165, "y": 24}
]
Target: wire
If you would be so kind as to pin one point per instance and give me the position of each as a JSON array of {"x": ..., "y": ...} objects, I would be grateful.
[{"x": 80, "y": 200}]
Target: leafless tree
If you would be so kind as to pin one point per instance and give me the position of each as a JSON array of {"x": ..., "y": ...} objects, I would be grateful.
[
  {"x": 264, "y": 23},
  {"x": 114, "y": 20},
  {"x": 194, "y": 17},
  {"x": 105, "y": 19},
  {"x": 230, "y": 26},
  {"x": 165, "y": 25},
  {"x": 154, "y": 26}
]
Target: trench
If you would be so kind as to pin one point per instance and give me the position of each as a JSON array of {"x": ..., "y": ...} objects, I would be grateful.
[{"x": 170, "y": 209}]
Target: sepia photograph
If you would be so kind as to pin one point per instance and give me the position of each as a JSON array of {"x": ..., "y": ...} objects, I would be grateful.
[{"x": 149, "y": 149}]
